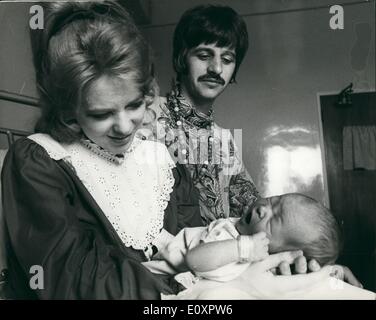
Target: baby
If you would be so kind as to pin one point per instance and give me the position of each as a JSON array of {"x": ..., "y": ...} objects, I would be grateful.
[{"x": 225, "y": 248}]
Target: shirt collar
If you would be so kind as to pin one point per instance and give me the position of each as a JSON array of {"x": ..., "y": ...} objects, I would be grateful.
[{"x": 181, "y": 109}]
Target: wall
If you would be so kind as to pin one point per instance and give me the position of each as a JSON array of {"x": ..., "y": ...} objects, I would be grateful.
[
  {"x": 16, "y": 70},
  {"x": 293, "y": 56}
]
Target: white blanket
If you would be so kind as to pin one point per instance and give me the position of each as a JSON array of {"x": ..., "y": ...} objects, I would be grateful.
[{"x": 328, "y": 288}]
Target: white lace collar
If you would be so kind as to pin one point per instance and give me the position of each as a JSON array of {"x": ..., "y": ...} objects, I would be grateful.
[
  {"x": 133, "y": 195},
  {"x": 118, "y": 159}
]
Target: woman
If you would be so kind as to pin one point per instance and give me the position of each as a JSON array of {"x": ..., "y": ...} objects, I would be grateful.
[{"x": 85, "y": 200}]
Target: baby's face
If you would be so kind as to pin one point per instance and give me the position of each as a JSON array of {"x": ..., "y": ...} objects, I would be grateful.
[{"x": 283, "y": 218}]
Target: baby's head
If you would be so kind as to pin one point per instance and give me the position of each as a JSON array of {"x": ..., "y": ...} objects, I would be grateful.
[{"x": 295, "y": 222}]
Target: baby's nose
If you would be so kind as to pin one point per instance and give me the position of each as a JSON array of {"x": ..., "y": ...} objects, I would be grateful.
[{"x": 262, "y": 211}]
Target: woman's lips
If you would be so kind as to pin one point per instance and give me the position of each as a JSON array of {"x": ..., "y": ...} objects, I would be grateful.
[{"x": 120, "y": 140}]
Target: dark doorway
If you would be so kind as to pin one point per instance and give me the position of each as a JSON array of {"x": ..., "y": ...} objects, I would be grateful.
[{"x": 352, "y": 193}]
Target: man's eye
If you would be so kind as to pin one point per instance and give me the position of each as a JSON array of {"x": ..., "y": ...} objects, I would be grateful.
[
  {"x": 203, "y": 56},
  {"x": 228, "y": 60}
]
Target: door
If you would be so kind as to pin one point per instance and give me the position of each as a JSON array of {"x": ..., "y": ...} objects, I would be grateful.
[{"x": 352, "y": 193}]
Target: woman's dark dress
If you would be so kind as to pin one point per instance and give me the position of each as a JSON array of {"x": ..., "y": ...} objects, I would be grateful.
[{"x": 52, "y": 221}]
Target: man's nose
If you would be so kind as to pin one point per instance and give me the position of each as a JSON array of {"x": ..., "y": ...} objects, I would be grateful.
[{"x": 215, "y": 66}]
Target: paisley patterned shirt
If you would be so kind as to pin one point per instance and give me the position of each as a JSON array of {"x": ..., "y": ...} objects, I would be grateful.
[{"x": 209, "y": 153}]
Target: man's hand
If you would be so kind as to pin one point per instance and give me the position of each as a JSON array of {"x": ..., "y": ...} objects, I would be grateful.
[
  {"x": 301, "y": 267},
  {"x": 344, "y": 273},
  {"x": 260, "y": 283}
]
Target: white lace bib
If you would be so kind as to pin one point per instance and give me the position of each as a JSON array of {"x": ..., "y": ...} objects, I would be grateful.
[{"x": 133, "y": 195}]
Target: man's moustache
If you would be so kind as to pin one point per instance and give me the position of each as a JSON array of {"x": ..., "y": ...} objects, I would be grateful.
[{"x": 211, "y": 78}]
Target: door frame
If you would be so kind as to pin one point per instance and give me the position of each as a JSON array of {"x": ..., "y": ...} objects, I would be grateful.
[{"x": 321, "y": 137}]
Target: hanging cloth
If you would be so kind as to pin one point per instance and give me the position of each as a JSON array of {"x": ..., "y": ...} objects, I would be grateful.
[{"x": 359, "y": 147}]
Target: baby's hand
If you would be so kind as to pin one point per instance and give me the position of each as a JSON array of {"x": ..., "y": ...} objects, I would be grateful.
[{"x": 259, "y": 250}]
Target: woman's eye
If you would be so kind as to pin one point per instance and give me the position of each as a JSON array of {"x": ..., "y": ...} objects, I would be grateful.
[{"x": 135, "y": 105}]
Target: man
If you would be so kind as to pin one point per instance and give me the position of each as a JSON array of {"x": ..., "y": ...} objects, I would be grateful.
[{"x": 209, "y": 45}]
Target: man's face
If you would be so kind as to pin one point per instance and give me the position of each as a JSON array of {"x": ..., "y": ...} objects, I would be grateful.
[
  {"x": 283, "y": 218},
  {"x": 209, "y": 71}
]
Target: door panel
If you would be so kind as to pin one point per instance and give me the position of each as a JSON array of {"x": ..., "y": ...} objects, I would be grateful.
[{"x": 352, "y": 193}]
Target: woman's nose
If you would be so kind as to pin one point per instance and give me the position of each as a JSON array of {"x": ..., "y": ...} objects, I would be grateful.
[
  {"x": 215, "y": 66},
  {"x": 123, "y": 125}
]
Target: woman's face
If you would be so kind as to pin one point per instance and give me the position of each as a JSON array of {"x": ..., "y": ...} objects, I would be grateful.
[{"x": 112, "y": 112}]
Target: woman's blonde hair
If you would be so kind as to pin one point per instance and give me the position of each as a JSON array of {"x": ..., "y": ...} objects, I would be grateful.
[{"x": 81, "y": 42}]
